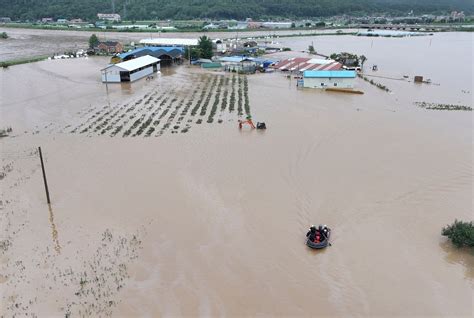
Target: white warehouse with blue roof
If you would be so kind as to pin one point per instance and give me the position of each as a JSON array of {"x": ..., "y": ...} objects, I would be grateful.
[{"x": 329, "y": 79}]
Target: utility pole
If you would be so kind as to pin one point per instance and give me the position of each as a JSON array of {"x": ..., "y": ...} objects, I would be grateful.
[
  {"x": 113, "y": 6},
  {"x": 44, "y": 176},
  {"x": 189, "y": 54}
]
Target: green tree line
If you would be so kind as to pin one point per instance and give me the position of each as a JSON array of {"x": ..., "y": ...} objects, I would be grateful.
[{"x": 222, "y": 9}]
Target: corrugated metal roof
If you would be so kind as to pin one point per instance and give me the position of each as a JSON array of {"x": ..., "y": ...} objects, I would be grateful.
[
  {"x": 333, "y": 74},
  {"x": 211, "y": 65},
  {"x": 170, "y": 42},
  {"x": 173, "y": 50},
  {"x": 305, "y": 64},
  {"x": 235, "y": 59},
  {"x": 135, "y": 63},
  {"x": 320, "y": 61}
]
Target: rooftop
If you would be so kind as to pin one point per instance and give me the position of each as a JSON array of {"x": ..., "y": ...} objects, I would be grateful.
[
  {"x": 332, "y": 74},
  {"x": 157, "y": 51},
  {"x": 170, "y": 42},
  {"x": 308, "y": 64},
  {"x": 135, "y": 63}
]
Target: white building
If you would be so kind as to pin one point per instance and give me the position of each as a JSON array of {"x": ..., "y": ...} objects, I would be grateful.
[
  {"x": 277, "y": 25},
  {"x": 109, "y": 16},
  {"x": 329, "y": 79},
  {"x": 131, "y": 70},
  {"x": 169, "y": 42}
]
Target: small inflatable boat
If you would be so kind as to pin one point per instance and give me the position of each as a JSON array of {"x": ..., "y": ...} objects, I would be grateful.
[{"x": 318, "y": 245}]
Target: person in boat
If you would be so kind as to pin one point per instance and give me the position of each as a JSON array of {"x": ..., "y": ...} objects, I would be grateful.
[
  {"x": 321, "y": 232},
  {"x": 325, "y": 230},
  {"x": 311, "y": 235}
]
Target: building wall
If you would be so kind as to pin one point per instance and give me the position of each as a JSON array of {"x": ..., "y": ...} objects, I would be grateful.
[
  {"x": 147, "y": 71},
  {"x": 113, "y": 75},
  {"x": 328, "y": 82}
]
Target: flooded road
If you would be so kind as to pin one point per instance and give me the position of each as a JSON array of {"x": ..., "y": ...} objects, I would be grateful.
[{"x": 211, "y": 221}]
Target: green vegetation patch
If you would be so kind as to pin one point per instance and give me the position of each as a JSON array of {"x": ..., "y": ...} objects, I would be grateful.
[
  {"x": 9, "y": 63},
  {"x": 460, "y": 233}
]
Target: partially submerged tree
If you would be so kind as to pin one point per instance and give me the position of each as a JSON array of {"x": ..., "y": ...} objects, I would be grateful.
[
  {"x": 205, "y": 47},
  {"x": 460, "y": 233},
  {"x": 3, "y": 35},
  {"x": 311, "y": 49},
  {"x": 362, "y": 60},
  {"x": 347, "y": 59},
  {"x": 93, "y": 41},
  {"x": 192, "y": 53}
]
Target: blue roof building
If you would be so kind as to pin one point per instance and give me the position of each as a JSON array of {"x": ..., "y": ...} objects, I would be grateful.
[
  {"x": 329, "y": 79},
  {"x": 165, "y": 54},
  {"x": 329, "y": 74}
]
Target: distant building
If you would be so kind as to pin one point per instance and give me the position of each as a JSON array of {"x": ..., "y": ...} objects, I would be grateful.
[
  {"x": 238, "y": 64},
  {"x": 46, "y": 20},
  {"x": 169, "y": 42},
  {"x": 211, "y": 26},
  {"x": 276, "y": 25},
  {"x": 241, "y": 25},
  {"x": 76, "y": 21},
  {"x": 62, "y": 21},
  {"x": 254, "y": 25},
  {"x": 110, "y": 47},
  {"x": 5, "y": 20},
  {"x": 457, "y": 16},
  {"x": 329, "y": 79},
  {"x": 131, "y": 70},
  {"x": 109, "y": 17},
  {"x": 219, "y": 45}
]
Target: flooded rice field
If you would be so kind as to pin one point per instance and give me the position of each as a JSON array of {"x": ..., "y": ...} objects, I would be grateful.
[{"x": 161, "y": 206}]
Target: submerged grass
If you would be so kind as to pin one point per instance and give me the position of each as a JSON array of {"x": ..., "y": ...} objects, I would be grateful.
[
  {"x": 9, "y": 63},
  {"x": 240, "y": 98},
  {"x": 232, "y": 95},
  {"x": 437, "y": 106},
  {"x": 246, "y": 97},
  {"x": 210, "y": 119}
]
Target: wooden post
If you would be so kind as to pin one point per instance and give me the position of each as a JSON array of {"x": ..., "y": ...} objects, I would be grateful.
[{"x": 44, "y": 176}]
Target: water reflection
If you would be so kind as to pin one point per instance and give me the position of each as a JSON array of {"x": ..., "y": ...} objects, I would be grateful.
[
  {"x": 462, "y": 256},
  {"x": 54, "y": 231}
]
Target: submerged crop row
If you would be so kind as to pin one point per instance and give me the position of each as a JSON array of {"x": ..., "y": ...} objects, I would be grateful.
[{"x": 169, "y": 107}]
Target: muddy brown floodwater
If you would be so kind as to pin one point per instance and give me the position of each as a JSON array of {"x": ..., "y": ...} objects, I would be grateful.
[
  {"x": 32, "y": 42},
  {"x": 162, "y": 207}
]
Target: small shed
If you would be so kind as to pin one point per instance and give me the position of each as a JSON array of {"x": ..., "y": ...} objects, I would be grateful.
[
  {"x": 327, "y": 79},
  {"x": 131, "y": 70}
]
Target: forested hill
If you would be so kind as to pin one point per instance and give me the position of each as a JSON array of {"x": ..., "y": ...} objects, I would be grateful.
[{"x": 225, "y": 9}]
